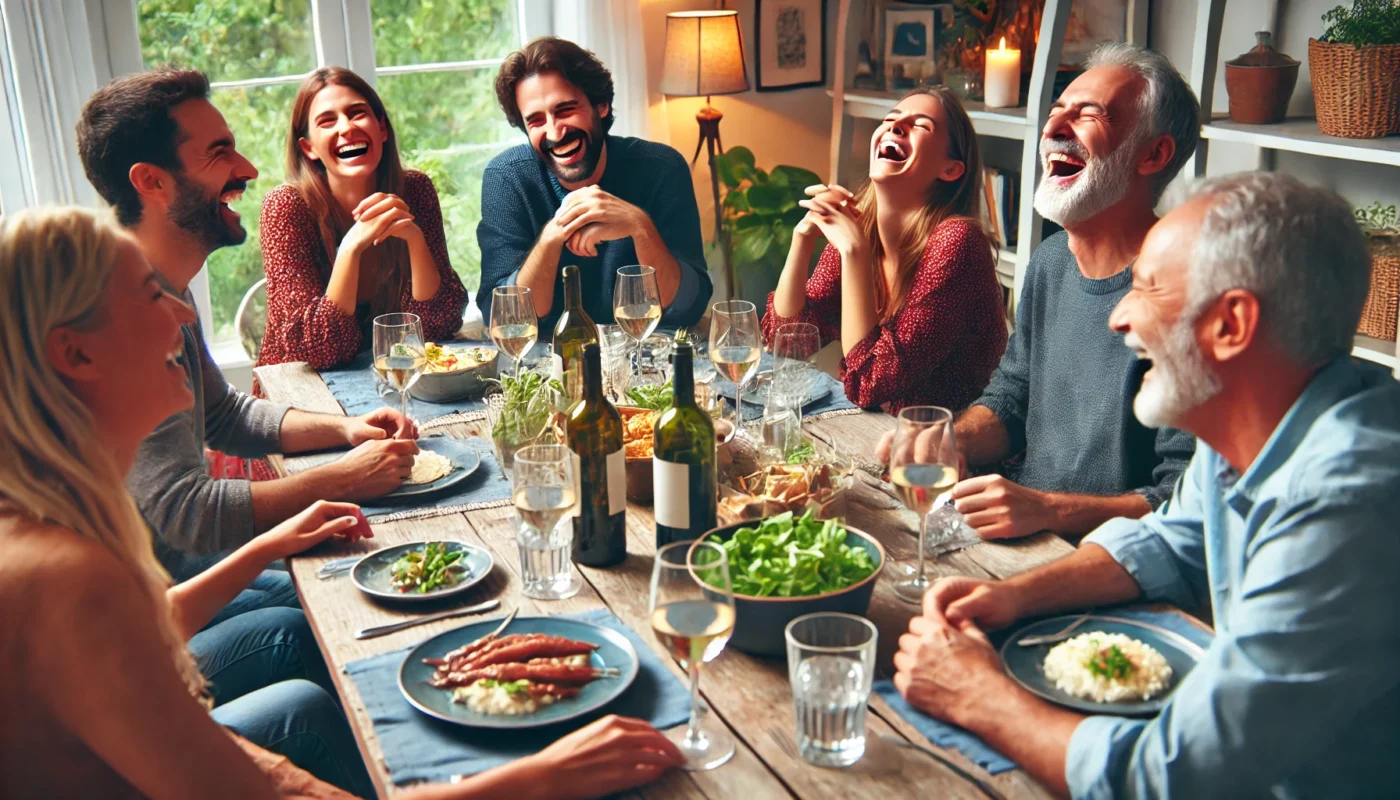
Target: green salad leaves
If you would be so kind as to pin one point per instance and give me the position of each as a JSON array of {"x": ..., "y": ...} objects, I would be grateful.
[
  {"x": 656, "y": 398},
  {"x": 794, "y": 557}
]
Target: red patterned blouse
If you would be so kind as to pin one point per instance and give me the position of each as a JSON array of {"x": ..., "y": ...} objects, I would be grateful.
[
  {"x": 940, "y": 348},
  {"x": 302, "y": 323}
]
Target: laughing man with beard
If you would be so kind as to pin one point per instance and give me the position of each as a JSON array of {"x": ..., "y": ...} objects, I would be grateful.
[{"x": 576, "y": 195}]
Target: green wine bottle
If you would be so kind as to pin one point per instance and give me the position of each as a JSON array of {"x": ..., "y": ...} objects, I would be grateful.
[
  {"x": 683, "y": 468},
  {"x": 573, "y": 330},
  {"x": 594, "y": 433}
]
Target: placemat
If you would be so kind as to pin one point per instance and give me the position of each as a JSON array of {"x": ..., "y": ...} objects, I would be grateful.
[
  {"x": 358, "y": 391},
  {"x": 419, "y": 748}
]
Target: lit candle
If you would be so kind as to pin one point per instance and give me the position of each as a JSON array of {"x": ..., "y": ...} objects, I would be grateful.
[{"x": 1002, "y": 84}]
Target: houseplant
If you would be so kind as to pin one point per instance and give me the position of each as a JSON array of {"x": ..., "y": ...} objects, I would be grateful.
[
  {"x": 1379, "y": 314},
  {"x": 760, "y": 212},
  {"x": 1356, "y": 70}
]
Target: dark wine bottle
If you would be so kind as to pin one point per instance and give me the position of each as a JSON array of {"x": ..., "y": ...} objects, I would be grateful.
[
  {"x": 683, "y": 468},
  {"x": 573, "y": 330},
  {"x": 594, "y": 433}
]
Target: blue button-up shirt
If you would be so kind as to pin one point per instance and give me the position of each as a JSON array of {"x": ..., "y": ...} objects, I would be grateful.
[{"x": 1299, "y": 693}]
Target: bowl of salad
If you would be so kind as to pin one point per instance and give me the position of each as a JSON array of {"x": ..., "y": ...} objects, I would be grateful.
[
  {"x": 787, "y": 565},
  {"x": 454, "y": 372}
]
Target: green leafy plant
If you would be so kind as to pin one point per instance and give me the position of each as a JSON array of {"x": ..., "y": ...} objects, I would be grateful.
[
  {"x": 1379, "y": 220},
  {"x": 760, "y": 208},
  {"x": 1366, "y": 22}
]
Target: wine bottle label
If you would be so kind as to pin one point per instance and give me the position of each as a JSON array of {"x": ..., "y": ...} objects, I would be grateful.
[
  {"x": 671, "y": 490},
  {"x": 617, "y": 482}
]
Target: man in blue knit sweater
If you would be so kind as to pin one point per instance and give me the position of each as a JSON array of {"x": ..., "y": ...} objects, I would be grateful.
[{"x": 576, "y": 195}]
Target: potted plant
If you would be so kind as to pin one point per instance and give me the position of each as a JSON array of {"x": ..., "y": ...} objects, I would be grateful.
[
  {"x": 760, "y": 211},
  {"x": 1379, "y": 314},
  {"x": 1356, "y": 70}
]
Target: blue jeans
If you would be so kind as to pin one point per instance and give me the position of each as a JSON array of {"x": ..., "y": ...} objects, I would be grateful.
[
  {"x": 256, "y": 649},
  {"x": 271, "y": 589},
  {"x": 299, "y": 720}
]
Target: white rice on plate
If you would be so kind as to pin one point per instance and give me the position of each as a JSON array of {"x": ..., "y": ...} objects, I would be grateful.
[
  {"x": 1068, "y": 666},
  {"x": 428, "y": 467}
]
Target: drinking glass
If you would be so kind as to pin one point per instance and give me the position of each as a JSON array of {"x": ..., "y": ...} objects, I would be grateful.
[
  {"x": 654, "y": 360},
  {"x": 736, "y": 345},
  {"x": 637, "y": 303},
  {"x": 543, "y": 491},
  {"x": 692, "y": 614},
  {"x": 831, "y": 663},
  {"x": 615, "y": 351},
  {"x": 795, "y": 347},
  {"x": 514, "y": 326},
  {"x": 923, "y": 465},
  {"x": 399, "y": 353}
]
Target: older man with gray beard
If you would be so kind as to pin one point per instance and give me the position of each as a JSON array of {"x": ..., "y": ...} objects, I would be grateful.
[
  {"x": 1061, "y": 398},
  {"x": 1244, "y": 301}
]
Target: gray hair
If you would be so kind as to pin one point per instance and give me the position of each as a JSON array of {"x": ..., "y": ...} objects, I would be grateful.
[
  {"x": 1297, "y": 248},
  {"x": 1168, "y": 107}
]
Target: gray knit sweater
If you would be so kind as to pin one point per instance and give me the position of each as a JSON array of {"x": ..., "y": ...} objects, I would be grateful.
[{"x": 1064, "y": 389}]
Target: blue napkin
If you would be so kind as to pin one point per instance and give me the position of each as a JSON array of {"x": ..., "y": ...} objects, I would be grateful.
[
  {"x": 834, "y": 399},
  {"x": 418, "y": 748},
  {"x": 485, "y": 488},
  {"x": 950, "y": 736},
  {"x": 357, "y": 389}
]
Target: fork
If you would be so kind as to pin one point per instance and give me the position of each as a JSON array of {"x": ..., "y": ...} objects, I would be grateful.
[
  {"x": 1051, "y": 638},
  {"x": 985, "y": 787}
]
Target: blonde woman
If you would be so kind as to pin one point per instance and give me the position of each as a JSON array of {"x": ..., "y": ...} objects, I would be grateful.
[{"x": 101, "y": 697}]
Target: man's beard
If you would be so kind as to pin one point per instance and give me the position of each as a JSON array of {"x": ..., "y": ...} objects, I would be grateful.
[
  {"x": 1100, "y": 185},
  {"x": 1181, "y": 378},
  {"x": 201, "y": 217},
  {"x": 592, "y": 153}
]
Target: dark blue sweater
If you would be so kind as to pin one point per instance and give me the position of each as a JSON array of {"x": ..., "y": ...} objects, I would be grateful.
[{"x": 518, "y": 196}]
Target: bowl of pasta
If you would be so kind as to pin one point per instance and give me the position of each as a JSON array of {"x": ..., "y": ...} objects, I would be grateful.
[{"x": 454, "y": 372}]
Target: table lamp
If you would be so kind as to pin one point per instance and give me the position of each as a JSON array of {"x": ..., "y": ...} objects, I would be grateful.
[{"x": 704, "y": 57}]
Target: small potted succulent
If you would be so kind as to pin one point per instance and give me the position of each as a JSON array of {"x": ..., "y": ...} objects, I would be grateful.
[{"x": 1356, "y": 70}]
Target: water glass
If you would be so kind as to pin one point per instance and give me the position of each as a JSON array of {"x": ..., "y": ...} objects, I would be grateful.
[
  {"x": 543, "y": 493},
  {"x": 781, "y": 425},
  {"x": 831, "y": 663},
  {"x": 654, "y": 360},
  {"x": 615, "y": 352}
]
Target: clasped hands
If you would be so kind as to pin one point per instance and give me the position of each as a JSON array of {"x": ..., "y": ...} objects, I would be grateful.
[
  {"x": 589, "y": 216},
  {"x": 832, "y": 212}
]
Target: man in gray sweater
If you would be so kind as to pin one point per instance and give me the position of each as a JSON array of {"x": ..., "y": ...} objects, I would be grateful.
[
  {"x": 156, "y": 149},
  {"x": 1062, "y": 396}
]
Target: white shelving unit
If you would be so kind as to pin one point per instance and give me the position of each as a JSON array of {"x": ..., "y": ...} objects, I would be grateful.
[{"x": 1295, "y": 135}]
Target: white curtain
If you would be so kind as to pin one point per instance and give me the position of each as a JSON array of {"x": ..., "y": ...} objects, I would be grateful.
[{"x": 612, "y": 29}]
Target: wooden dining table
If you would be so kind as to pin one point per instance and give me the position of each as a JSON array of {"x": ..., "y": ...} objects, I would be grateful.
[{"x": 750, "y": 696}]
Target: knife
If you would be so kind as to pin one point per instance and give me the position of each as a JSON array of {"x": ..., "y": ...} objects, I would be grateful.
[{"x": 381, "y": 630}]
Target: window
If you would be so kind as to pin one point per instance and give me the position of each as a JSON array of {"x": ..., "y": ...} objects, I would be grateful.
[{"x": 434, "y": 64}]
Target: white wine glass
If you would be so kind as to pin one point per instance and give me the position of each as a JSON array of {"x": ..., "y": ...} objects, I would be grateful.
[
  {"x": 736, "y": 345},
  {"x": 399, "y": 353},
  {"x": 923, "y": 465},
  {"x": 692, "y": 615},
  {"x": 543, "y": 491},
  {"x": 637, "y": 303},
  {"x": 514, "y": 325}
]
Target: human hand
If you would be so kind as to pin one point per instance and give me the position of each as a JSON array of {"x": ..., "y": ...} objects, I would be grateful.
[
  {"x": 949, "y": 672},
  {"x": 989, "y": 604},
  {"x": 378, "y": 217},
  {"x": 835, "y": 195},
  {"x": 1001, "y": 509},
  {"x": 590, "y": 215},
  {"x": 319, "y": 522},
  {"x": 373, "y": 469},
  {"x": 610, "y": 755},
  {"x": 382, "y": 423},
  {"x": 837, "y": 225}
]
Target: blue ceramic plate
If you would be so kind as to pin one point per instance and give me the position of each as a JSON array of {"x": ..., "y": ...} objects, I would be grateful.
[
  {"x": 759, "y": 397},
  {"x": 373, "y": 574},
  {"x": 614, "y": 651},
  {"x": 464, "y": 462},
  {"x": 1025, "y": 664}
]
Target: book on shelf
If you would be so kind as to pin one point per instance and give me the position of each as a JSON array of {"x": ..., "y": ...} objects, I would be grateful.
[{"x": 1001, "y": 190}]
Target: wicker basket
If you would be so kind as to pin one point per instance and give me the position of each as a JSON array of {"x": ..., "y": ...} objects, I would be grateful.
[
  {"x": 1379, "y": 315},
  {"x": 1357, "y": 89}
]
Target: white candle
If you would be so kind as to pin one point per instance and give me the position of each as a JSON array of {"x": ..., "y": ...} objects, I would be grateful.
[{"x": 1002, "y": 82}]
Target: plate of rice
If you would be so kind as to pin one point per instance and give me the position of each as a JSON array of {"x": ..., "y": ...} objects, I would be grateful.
[{"x": 1112, "y": 665}]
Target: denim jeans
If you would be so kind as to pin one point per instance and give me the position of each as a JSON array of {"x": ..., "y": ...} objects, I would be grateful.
[
  {"x": 271, "y": 589},
  {"x": 299, "y": 720},
  {"x": 256, "y": 649}
]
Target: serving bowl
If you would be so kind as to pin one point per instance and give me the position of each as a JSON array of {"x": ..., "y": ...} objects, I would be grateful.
[
  {"x": 759, "y": 622},
  {"x": 467, "y": 381},
  {"x": 638, "y": 470}
]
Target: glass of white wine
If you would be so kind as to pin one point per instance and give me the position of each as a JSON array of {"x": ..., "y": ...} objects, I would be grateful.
[
  {"x": 692, "y": 614},
  {"x": 543, "y": 491},
  {"x": 637, "y": 303},
  {"x": 399, "y": 353},
  {"x": 514, "y": 325},
  {"x": 736, "y": 345},
  {"x": 923, "y": 465}
]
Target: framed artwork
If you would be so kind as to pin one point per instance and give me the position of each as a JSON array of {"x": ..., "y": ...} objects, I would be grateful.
[
  {"x": 790, "y": 38},
  {"x": 912, "y": 41}
]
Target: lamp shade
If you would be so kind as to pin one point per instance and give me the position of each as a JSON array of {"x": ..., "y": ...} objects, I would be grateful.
[{"x": 704, "y": 54}]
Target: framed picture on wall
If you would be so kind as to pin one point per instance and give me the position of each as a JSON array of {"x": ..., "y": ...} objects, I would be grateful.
[
  {"x": 790, "y": 38},
  {"x": 911, "y": 45}
]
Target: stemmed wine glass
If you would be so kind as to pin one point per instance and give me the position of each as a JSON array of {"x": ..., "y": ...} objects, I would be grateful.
[
  {"x": 637, "y": 303},
  {"x": 543, "y": 491},
  {"x": 736, "y": 345},
  {"x": 399, "y": 353},
  {"x": 692, "y": 614},
  {"x": 923, "y": 465},
  {"x": 514, "y": 325}
]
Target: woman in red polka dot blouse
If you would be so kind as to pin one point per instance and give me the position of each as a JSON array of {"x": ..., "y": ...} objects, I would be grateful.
[
  {"x": 351, "y": 235},
  {"x": 906, "y": 283}
]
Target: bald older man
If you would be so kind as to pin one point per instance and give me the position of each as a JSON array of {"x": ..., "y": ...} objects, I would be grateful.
[{"x": 1245, "y": 300}]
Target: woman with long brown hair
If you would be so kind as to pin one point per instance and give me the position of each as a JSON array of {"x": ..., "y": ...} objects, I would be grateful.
[
  {"x": 352, "y": 234},
  {"x": 907, "y": 282}
]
